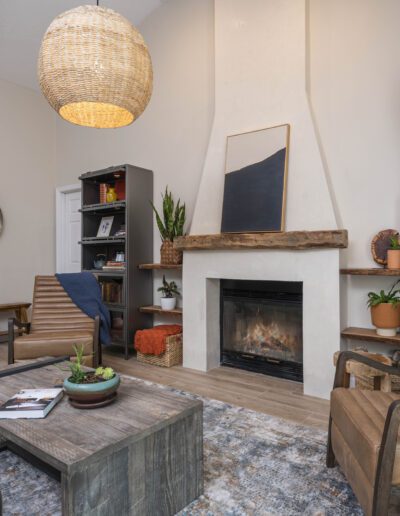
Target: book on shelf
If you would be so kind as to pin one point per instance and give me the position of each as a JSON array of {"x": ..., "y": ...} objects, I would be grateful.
[
  {"x": 111, "y": 292},
  {"x": 113, "y": 265},
  {"x": 31, "y": 404}
]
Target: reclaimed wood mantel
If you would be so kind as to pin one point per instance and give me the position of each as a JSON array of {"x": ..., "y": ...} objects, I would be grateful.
[{"x": 291, "y": 240}]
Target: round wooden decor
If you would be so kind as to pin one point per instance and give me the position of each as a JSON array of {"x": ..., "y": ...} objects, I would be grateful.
[{"x": 380, "y": 244}]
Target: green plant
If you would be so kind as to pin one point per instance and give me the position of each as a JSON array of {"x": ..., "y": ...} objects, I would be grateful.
[
  {"x": 174, "y": 216},
  {"x": 168, "y": 288},
  {"x": 77, "y": 373},
  {"x": 392, "y": 297},
  {"x": 105, "y": 372},
  {"x": 394, "y": 242}
]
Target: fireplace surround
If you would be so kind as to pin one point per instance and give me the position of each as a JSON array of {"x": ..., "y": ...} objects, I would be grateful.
[
  {"x": 308, "y": 257},
  {"x": 261, "y": 327}
]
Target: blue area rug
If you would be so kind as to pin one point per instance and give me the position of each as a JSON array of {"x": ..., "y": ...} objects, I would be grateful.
[{"x": 254, "y": 464}]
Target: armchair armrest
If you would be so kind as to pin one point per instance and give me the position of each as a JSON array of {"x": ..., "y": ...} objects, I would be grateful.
[
  {"x": 12, "y": 322},
  {"x": 341, "y": 376}
]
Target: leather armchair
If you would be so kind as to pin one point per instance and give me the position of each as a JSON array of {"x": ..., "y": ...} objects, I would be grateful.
[
  {"x": 57, "y": 325},
  {"x": 363, "y": 436}
]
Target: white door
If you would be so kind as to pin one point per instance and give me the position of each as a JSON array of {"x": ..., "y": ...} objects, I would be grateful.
[{"x": 68, "y": 229}]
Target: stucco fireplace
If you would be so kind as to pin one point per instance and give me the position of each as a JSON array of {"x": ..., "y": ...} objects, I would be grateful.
[{"x": 279, "y": 258}]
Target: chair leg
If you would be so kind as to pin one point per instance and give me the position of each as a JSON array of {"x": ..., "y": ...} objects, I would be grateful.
[
  {"x": 96, "y": 343},
  {"x": 10, "y": 341},
  {"x": 330, "y": 456},
  {"x": 384, "y": 470}
]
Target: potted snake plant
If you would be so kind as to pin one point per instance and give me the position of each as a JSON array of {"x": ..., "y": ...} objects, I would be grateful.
[
  {"x": 385, "y": 311},
  {"x": 171, "y": 225},
  {"x": 93, "y": 388}
]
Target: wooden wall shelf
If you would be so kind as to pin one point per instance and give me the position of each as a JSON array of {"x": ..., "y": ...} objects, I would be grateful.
[
  {"x": 159, "y": 266},
  {"x": 155, "y": 309},
  {"x": 369, "y": 335},
  {"x": 377, "y": 271},
  {"x": 291, "y": 240}
]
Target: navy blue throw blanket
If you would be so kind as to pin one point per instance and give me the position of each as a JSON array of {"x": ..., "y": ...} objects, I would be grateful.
[{"x": 84, "y": 290}]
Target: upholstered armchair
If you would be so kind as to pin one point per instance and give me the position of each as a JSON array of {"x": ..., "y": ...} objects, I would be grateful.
[
  {"x": 57, "y": 325},
  {"x": 363, "y": 436}
]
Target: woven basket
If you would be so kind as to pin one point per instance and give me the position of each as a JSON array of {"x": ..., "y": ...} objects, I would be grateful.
[
  {"x": 367, "y": 382},
  {"x": 94, "y": 68},
  {"x": 170, "y": 255},
  {"x": 171, "y": 357}
]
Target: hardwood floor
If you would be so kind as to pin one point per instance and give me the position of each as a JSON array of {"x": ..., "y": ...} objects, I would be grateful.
[{"x": 281, "y": 398}]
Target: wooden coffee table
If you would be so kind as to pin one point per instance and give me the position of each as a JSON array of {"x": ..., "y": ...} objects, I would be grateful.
[{"x": 142, "y": 455}]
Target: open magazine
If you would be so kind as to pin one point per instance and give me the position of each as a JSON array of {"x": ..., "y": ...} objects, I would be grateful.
[{"x": 30, "y": 403}]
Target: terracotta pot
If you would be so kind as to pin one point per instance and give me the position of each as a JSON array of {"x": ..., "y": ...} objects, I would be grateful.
[
  {"x": 169, "y": 255},
  {"x": 393, "y": 259},
  {"x": 386, "y": 318}
]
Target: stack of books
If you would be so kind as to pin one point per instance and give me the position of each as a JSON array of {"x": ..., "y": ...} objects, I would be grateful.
[
  {"x": 114, "y": 266},
  {"x": 121, "y": 232}
]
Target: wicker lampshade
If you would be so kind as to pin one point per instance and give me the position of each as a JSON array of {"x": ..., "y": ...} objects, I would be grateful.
[{"x": 94, "y": 68}]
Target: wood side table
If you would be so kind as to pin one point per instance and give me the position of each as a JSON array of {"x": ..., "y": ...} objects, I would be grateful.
[{"x": 21, "y": 313}]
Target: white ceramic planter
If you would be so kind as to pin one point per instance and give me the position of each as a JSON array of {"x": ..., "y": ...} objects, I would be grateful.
[{"x": 168, "y": 303}]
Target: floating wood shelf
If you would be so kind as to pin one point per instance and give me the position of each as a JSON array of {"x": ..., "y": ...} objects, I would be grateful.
[
  {"x": 292, "y": 240},
  {"x": 155, "y": 309},
  {"x": 369, "y": 335},
  {"x": 377, "y": 271},
  {"x": 160, "y": 266}
]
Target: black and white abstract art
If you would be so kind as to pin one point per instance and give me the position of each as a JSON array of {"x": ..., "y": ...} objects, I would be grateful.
[{"x": 255, "y": 181}]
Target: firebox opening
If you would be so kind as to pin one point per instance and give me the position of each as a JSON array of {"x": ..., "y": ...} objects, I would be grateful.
[{"x": 261, "y": 326}]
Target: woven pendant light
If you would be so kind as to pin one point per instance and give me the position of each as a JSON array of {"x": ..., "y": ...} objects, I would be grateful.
[{"x": 94, "y": 68}]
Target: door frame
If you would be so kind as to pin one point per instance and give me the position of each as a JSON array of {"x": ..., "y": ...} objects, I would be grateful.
[{"x": 61, "y": 192}]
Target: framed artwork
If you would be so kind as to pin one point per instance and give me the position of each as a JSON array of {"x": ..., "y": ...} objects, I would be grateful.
[
  {"x": 255, "y": 181},
  {"x": 105, "y": 226}
]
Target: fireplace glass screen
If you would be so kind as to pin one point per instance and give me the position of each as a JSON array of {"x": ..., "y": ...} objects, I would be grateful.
[{"x": 261, "y": 326}]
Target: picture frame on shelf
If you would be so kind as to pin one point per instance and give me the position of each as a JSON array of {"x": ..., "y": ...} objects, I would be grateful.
[{"x": 105, "y": 226}]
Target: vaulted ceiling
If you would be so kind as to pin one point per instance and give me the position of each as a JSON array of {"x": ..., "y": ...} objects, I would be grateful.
[{"x": 23, "y": 23}]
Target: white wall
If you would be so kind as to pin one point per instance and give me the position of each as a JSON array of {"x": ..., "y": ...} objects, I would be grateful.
[
  {"x": 260, "y": 52},
  {"x": 355, "y": 94},
  {"x": 171, "y": 136},
  {"x": 27, "y": 178}
]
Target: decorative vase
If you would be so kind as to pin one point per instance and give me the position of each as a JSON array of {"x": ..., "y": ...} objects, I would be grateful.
[
  {"x": 386, "y": 318},
  {"x": 99, "y": 261},
  {"x": 111, "y": 194},
  {"x": 92, "y": 395},
  {"x": 168, "y": 303},
  {"x": 393, "y": 259},
  {"x": 170, "y": 255}
]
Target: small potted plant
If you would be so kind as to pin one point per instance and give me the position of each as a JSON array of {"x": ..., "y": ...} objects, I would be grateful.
[
  {"x": 385, "y": 311},
  {"x": 93, "y": 388},
  {"x": 170, "y": 225},
  {"x": 393, "y": 253},
  {"x": 168, "y": 289}
]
